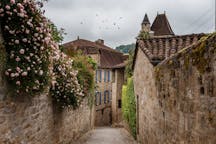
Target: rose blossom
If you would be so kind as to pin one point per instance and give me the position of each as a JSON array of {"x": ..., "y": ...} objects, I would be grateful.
[
  {"x": 18, "y": 83},
  {"x": 22, "y": 51},
  {"x": 24, "y": 40},
  {"x": 41, "y": 72},
  {"x": 12, "y": 75},
  {"x": 16, "y": 41},
  {"x": 24, "y": 74},
  {"x": 12, "y": 1},
  {"x": 18, "y": 59},
  {"x": 18, "y": 69},
  {"x": 7, "y": 73},
  {"x": 16, "y": 74},
  {"x": 7, "y": 7}
]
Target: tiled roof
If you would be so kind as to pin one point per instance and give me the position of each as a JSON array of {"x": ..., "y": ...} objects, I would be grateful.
[
  {"x": 161, "y": 26},
  {"x": 158, "y": 49},
  {"x": 108, "y": 56},
  {"x": 121, "y": 65}
]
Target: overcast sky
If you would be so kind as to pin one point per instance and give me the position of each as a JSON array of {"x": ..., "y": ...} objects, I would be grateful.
[{"x": 118, "y": 21}]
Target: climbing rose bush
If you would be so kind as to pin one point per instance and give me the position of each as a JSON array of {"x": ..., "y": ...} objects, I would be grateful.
[
  {"x": 65, "y": 87},
  {"x": 28, "y": 45}
]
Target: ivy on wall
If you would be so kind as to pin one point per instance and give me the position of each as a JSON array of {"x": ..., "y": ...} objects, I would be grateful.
[{"x": 129, "y": 105}]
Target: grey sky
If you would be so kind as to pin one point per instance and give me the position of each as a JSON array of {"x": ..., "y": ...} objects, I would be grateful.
[{"x": 118, "y": 21}]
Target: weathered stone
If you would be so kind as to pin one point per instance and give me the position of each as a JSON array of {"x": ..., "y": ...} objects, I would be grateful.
[
  {"x": 2, "y": 119},
  {"x": 177, "y": 103}
]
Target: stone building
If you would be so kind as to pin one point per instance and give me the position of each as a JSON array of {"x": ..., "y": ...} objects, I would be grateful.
[
  {"x": 109, "y": 78},
  {"x": 174, "y": 79}
]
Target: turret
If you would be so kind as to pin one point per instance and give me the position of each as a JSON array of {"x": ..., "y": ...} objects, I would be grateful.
[{"x": 146, "y": 26}]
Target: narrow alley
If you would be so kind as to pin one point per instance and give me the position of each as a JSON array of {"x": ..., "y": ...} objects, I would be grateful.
[{"x": 107, "y": 135}]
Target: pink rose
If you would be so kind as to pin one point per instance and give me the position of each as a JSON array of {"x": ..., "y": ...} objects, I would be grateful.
[
  {"x": 12, "y": 75},
  {"x": 18, "y": 83},
  {"x": 41, "y": 72},
  {"x": 7, "y": 7},
  {"x": 1, "y": 10},
  {"x": 27, "y": 31},
  {"x": 24, "y": 74},
  {"x": 22, "y": 51},
  {"x": 18, "y": 59},
  {"x": 7, "y": 73},
  {"x": 24, "y": 40},
  {"x": 16, "y": 41},
  {"x": 18, "y": 69},
  {"x": 12, "y": 1}
]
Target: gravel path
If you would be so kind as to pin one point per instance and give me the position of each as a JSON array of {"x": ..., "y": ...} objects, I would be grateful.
[{"x": 106, "y": 135}]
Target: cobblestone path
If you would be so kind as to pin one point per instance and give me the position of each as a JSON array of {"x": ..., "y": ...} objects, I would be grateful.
[{"x": 107, "y": 135}]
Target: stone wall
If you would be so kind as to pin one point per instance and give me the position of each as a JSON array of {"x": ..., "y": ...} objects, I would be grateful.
[
  {"x": 36, "y": 120},
  {"x": 145, "y": 91},
  {"x": 177, "y": 99}
]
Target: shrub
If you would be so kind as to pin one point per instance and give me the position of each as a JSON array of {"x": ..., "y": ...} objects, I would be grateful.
[
  {"x": 129, "y": 105},
  {"x": 85, "y": 66},
  {"x": 65, "y": 87}
]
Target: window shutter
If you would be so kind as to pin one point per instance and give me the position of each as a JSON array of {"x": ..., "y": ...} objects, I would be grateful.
[
  {"x": 104, "y": 75},
  {"x": 100, "y": 75},
  {"x": 108, "y": 76},
  {"x": 96, "y": 75}
]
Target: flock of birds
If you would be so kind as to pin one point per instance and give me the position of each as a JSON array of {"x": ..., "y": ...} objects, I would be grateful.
[{"x": 103, "y": 26}]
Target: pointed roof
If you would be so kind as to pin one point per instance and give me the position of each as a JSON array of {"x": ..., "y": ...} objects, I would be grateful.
[
  {"x": 161, "y": 26},
  {"x": 146, "y": 20}
]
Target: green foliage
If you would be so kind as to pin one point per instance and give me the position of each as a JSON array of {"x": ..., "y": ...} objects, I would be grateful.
[
  {"x": 128, "y": 69},
  {"x": 57, "y": 34},
  {"x": 129, "y": 105},
  {"x": 143, "y": 35},
  {"x": 126, "y": 48},
  {"x": 86, "y": 67},
  {"x": 65, "y": 88}
]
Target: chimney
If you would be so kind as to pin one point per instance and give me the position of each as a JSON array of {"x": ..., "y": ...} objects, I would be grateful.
[{"x": 99, "y": 41}]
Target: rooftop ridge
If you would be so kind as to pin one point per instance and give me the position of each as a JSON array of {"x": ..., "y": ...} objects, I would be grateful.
[{"x": 93, "y": 44}]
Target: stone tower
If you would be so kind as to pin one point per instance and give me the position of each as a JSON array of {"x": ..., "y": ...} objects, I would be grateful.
[{"x": 146, "y": 26}]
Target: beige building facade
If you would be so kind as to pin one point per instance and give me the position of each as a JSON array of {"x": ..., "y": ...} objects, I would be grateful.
[{"x": 109, "y": 79}]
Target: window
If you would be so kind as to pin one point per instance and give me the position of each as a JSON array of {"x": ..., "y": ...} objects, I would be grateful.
[
  {"x": 98, "y": 76},
  {"x": 108, "y": 76}
]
